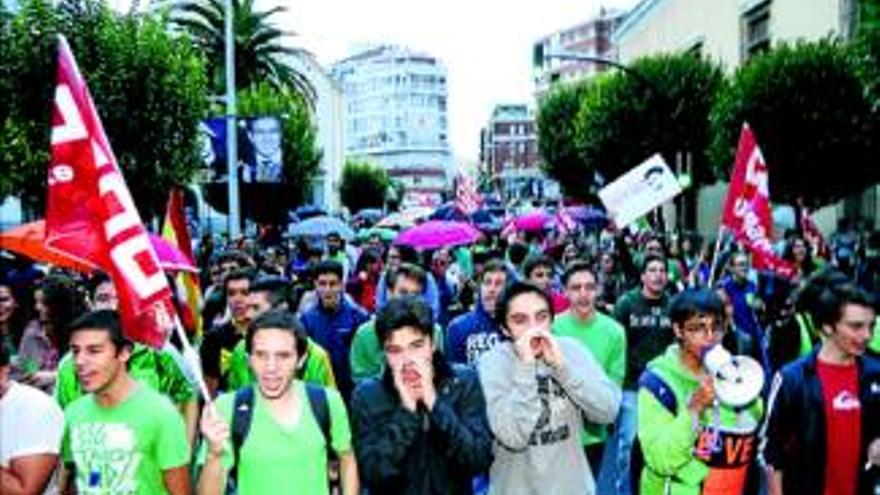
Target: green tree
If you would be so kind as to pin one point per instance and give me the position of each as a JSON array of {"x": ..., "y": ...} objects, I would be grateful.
[
  {"x": 148, "y": 86},
  {"x": 301, "y": 157},
  {"x": 259, "y": 48},
  {"x": 557, "y": 111},
  {"x": 660, "y": 106},
  {"x": 363, "y": 186},
  {"x": 808, "y": 108}
]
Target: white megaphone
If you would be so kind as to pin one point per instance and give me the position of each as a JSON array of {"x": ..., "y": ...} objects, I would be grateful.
[{"x": 738, "y": 379}]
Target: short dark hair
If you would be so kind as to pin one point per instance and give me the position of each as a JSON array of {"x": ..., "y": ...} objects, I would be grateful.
[
  {"x": 576, "y": 266},
  {"x": 326, "y": 267},
  {"x": 98, "y": 277},
  {"x": 277, "y": 319},
  {"x": 492, "y": 266},
  {"x": 692, "y": 302},
  {"x": 407, "y": 270},
  {"x": 239, "y": 274},
  {"x": 535, "y": 261},
  {"x": 513, "y": 290},
  {"x": 650, "y": 258},
  {"x": 277, "y": 288},
  {"x": 103, "y": 319},
  {"x": 832, "y": 300},
  {"x": 405, "y": 311},
  {"x": 517, "y": 252}
]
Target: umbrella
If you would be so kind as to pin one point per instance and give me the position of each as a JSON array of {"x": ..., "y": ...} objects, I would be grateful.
[
  {"x": 587, "y": 215},
  {"x": 535, "y": 221},
  {"x": 367, "y": 216},
  {"x": 387, "y": 235},
  {"x": 28, "y": 240},
  {"x": 321, "y": 226},
  {"x": 406, "y": 218},
  {"x": 308, "y": 211},
  {"x": 438, "y": 233}
]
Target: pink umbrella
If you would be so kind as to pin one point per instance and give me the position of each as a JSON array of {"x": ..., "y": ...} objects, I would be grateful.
[
  {"x": 438, "y": 233},
  {"x": 535, "y": 221},
  {"x": 27, "y": 240}
]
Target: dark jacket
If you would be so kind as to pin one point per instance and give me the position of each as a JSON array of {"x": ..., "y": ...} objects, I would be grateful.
[
  {"x": 795, "y": 436},
  {"x": 403, "y": 452}
]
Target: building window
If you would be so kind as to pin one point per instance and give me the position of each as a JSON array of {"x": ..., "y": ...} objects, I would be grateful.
[{"x": 755, "y": 30}]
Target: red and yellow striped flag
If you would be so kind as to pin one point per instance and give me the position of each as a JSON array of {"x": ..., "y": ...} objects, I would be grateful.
[{"x": 187, "y": 288}]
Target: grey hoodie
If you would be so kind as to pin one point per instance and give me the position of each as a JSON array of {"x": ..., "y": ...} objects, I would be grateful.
[{"x": 537, "y": 414}]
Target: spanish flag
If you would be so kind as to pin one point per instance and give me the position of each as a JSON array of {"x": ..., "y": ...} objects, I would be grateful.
[{"x": 187, "y": 288}]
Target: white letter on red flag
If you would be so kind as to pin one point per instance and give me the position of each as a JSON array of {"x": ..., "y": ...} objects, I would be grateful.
[{"x": 90, "y": 213}]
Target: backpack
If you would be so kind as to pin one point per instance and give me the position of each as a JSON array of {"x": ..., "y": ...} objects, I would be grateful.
[{"x": 242, "y": 415}]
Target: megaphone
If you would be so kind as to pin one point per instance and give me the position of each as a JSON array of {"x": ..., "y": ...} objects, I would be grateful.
[{"x": 738, "y": 379}]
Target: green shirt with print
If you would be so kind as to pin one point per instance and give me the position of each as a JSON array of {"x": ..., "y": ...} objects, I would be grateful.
[
  {"x": 317, "y": 369},
  {"x": 158, "y": 369},
  {"x": 124, "y": 448},
  {"x": 283, "y": 459},
  {"x": 605, "y": 338}
]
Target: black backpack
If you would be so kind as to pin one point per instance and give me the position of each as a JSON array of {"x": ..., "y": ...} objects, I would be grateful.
[{"x": 242, "y": 415}]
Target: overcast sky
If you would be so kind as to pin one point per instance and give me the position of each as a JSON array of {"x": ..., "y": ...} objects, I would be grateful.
[{"x": 484, "y": 44}]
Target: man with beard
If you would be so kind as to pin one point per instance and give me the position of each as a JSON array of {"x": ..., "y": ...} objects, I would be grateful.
[{"x": 281, "y": 446}]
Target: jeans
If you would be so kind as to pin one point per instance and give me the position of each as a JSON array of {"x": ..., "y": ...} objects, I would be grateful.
[{"x": 614, "y": 477}]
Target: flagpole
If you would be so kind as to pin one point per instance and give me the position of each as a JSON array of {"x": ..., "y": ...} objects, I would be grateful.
[
  {"x": 192, "y": 359},
  {"x": 715, "y": 255}
]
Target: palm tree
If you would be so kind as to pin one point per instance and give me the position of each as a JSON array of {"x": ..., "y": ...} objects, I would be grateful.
[{"x": 259, "y": 51}]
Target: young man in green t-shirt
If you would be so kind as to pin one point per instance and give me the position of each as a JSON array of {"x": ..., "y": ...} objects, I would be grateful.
[
  {"x": 123, "y": 437},
  {"x": 285, "y": 450},
  {"x": 274, "y": 293},
  {"x": 600, "y": 334}
]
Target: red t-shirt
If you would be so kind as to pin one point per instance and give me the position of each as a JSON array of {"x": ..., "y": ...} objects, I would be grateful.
[{"x": 843, "y": 425}]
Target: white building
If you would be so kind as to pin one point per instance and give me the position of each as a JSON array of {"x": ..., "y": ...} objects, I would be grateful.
[
  {"x": 396, "y": 107},
  {"x": 327, "y": 102}
]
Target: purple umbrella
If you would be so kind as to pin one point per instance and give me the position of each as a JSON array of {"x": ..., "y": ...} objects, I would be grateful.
[
  {"x": 535, "y": 221},
  {"x": 438, "y": 233}
]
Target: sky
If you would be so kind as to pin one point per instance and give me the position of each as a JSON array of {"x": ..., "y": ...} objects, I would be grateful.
[{"x": 486, "y": 45}]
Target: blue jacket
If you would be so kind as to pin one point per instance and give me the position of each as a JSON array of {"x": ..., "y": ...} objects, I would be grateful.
[
  {"x": 794, "y": 437},
  {"x": 470, "y": 335},
  {"x": 334, "y": 332}
]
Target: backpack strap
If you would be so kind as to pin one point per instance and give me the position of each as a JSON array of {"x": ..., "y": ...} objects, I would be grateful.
[
  {"x": 242, "y": 415},
  {"x": 318, "y": 401},
  {"x": 652, "y": 382}
]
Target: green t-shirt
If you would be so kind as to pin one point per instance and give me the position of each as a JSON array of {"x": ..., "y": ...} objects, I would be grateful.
[
  {"x": 874, "y": 343},
  {"x": 158, "y": 369},
  {"x": 125, "y": 448},
  {"x": 318, "y": 369},
  {"x": 367, "y": 358},
  {"x": 279, "y": 459},
  {"x": 605, "y": 338}
]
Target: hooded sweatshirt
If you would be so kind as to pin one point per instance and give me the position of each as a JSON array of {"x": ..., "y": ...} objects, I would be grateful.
[
  {"x": 536, "y": 414},
  {"x": 712, "y": 459}
]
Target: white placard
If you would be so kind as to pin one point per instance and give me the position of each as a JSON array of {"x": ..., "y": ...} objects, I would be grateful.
[{"x": 639, "y": 191}]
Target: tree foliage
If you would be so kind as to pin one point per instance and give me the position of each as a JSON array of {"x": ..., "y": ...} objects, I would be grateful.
[
  {"x": 660, "y": 105},
  {"x": 269, "y": 203},
  {"x": 148, "y": 86},
  {"x": 812, "y": 117},
  {"x": 363, "y": 186},
  {"x": 259, "y": 48},
  {"x": 557, "y": 111}
]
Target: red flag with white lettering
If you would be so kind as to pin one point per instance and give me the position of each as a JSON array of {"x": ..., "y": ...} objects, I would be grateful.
[
  {"x": 747, "y": 207},
  {"x": 90, "y": 213}
]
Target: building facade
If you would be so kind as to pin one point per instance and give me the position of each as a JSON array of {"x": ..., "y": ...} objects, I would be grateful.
[
  {"x": 592, "y": 38},
  {"x": 396, "y": 116},
  {"x": 730, "y": 32},
  {"x": 509, "y": 154}
]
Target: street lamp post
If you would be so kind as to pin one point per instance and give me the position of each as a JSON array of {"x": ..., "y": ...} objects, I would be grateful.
[{"x": 231, "y": 127}]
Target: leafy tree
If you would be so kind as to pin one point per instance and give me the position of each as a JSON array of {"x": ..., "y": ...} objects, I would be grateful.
[
  {"x": 148, "y": 88},
  {"x": 811, "y": 115},
  {"x": 556, "y": 138},
  {"x": 363, "y": 186},
  {"x": 660, "y": 105},
  {"x": 269, "y": 203},
  {"x": 259, "y": 48}
]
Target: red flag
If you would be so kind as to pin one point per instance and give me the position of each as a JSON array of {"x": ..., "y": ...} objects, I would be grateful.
[
  {"x": 747, "y": 207},
  {"x": 175, "y": 231},
  {"x": 90, "y": 213}
]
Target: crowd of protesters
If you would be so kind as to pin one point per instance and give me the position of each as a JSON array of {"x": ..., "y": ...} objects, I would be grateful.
[{"x": 546, "y": 363}]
